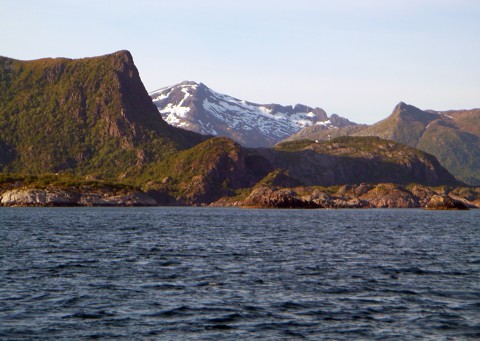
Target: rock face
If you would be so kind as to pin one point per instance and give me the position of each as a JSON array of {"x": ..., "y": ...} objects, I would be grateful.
[
  {"x": 197, "y": 108},
  {"x": 390, "y": 196},
  {"x": 57, "y": 197},
  {"x": 444, "y": 202},
  {"x": 38, "y": 197}
]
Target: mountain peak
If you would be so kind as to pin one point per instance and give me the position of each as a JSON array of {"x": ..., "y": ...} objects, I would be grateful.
[
  {"x": 123, "y": 54},
  {"x": 410, "y": 112},
  {"x": 194, "y": 106},
  {"x": 187, "y": 82}
]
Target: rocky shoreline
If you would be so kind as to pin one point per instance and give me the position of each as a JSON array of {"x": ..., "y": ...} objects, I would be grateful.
[
  {"x": 360, "y": 196},
  {"x": 347, "y": 196},
  {"x": 62, "y": 197}
]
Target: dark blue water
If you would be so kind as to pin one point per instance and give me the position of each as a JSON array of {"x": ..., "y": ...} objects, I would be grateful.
[{"x": 213, "y": 273}]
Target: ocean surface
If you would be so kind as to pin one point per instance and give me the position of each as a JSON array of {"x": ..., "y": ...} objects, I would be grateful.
[{"x": 225, "y": 273}]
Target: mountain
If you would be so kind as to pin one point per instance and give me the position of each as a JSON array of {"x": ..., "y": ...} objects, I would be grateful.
[
  {"x": 88, "y": 116},
  {"x": 197, "y": 108},
  {"x": 452, "y": 136},
  {"x": 77, "y": 130}
]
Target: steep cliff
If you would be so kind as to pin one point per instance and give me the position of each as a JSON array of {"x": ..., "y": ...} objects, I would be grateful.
[{"x": 89, "y": 116}]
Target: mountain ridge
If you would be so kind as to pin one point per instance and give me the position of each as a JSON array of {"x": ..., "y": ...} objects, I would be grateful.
[{"x": 196, "y": 107}]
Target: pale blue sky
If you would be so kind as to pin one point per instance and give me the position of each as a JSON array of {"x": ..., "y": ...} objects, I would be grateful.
[{"x": 354, "y": 58}]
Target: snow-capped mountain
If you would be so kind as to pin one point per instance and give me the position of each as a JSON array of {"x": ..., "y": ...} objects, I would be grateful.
[{"x": 193, "y": 106}]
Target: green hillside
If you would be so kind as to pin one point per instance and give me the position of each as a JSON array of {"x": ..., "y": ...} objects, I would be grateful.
[{"x": 89, "y": 116}]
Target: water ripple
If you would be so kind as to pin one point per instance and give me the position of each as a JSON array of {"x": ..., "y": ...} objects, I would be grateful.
[{"x": 196, "y": 273}]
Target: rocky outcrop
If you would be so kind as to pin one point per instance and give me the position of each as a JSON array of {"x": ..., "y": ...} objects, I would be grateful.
[
  {"x": 390, "y": 196},
  {"x": 266, "y": 197},
  {"x": 215, "y": 168},
  {"x": 38, "y": 197},
  {"x": 444, "y": 202},
  {"x": 59, "y": 197},
  {"x": 357, "y": 196}
]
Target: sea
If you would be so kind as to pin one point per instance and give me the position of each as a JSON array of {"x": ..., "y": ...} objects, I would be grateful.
[{"x": 192, "y": 273}]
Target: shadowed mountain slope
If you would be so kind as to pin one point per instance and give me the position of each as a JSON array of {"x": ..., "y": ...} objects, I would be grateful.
[{"x": 451, "y": 136}]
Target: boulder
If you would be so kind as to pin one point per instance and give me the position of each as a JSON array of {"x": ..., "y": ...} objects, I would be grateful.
[
  {"x": 444, "y": 202},
  {"x": 390, "y": 196}
]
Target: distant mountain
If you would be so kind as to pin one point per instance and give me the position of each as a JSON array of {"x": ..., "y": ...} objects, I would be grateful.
[
  {"x": 197, "y": 108},
  {"x": 326, "y": 132},
  {"x": 452, "y": 136}
]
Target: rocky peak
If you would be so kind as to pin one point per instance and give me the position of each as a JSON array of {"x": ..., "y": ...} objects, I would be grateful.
[
  {"x": 194, "y": 106},
  {"x": 411, "y": 113}
]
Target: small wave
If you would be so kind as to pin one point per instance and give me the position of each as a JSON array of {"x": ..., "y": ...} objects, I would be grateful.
[{"x": 89, "y": 315}]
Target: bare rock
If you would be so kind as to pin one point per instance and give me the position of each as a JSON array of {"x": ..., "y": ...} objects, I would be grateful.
[
  {"x": 390, "y": 196},
  {"x": 58, "y": 197},
  {"x": 37, "y": 197},
  {"x": 266, "y": 197},
  {"x": 444, "y": 202}
]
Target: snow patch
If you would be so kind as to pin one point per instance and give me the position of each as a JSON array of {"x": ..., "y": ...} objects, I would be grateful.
[{"x": 326, "y": 123}]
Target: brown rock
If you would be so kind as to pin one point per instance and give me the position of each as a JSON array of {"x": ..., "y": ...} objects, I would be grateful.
[
  {"x": 390, "y": 196},
  {"x": 266, "y": 197},
  {"x": 444, "y": 202}
]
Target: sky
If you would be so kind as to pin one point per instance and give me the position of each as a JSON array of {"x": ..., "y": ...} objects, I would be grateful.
[{"x": 357, "y": 59}]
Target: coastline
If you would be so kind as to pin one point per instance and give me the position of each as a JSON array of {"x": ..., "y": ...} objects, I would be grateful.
[{"x": 337, "y": 197}]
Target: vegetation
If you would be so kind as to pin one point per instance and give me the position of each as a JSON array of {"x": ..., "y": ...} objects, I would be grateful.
[
  {"x": 61, "y": 181},
  {"x": 294, "y": 146}
]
